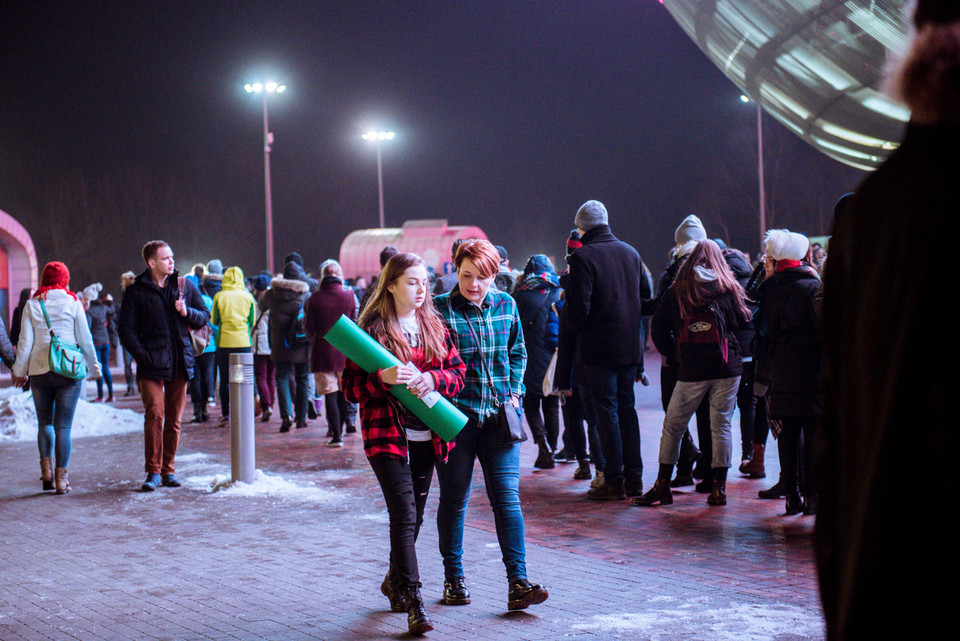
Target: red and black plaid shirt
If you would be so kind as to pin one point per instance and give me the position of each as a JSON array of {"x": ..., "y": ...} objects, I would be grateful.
[{"x": 381, "y": 414}]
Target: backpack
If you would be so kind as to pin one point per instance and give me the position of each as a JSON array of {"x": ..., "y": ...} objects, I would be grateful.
[
  {"x": 296, "y": 334},
  {"x": 703, "y": 338}
]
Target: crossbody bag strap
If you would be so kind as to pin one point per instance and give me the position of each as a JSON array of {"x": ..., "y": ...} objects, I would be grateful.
[
  {"x": 483, "y": 361},
  {"x": 43, "y": 308}
]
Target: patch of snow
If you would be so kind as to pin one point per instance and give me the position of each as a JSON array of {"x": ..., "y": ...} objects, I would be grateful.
[
  {"x": 18, "y": 418},
  {"x": 263, "y": 485},
  {"x": 740, "y": 622}
]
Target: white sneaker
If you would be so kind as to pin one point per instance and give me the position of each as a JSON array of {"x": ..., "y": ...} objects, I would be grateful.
[{"x": 597, "y": 480}]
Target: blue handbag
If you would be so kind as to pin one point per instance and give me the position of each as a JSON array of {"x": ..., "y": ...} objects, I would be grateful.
[{"x": 66, "y": 359}]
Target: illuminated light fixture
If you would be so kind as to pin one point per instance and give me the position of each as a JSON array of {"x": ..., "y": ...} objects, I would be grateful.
[
  {"x": 260, "y": 87},
  {"x": 267, "y": 88},
  {"x": 375, "y": 137}
]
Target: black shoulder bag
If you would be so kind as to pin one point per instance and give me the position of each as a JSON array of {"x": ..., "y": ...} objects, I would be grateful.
[{"x": 508, "y": 419}]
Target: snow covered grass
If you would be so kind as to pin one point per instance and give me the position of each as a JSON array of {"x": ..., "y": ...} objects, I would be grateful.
[
  {"x": 18, "y": 418},
  {"x": 672, "y": 618}
]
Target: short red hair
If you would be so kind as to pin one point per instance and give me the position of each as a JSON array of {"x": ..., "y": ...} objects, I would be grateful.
[{"x": 481, "y": 253}]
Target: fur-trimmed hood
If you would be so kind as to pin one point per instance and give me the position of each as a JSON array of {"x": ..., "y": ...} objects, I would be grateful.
[{"x": 297, "y": 286}]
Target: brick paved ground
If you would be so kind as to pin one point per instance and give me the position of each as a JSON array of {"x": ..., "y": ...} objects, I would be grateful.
[{"x": 305, "y": 562}]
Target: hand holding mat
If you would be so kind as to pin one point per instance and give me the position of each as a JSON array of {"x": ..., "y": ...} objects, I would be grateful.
[{"x": 441, "y": 416}]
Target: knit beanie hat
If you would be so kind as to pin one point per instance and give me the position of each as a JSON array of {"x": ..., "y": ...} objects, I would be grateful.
[
  {"x": 294, "y": 257},
  {"x": 55, "y": 275},
  {"x": 783, "y": 244},
  {"x": 215, "y": 266},
  {"x": 591, "y": 214},
  {"x": 92, "y": 292},
  {"x": 690, "y": 229},
  {"x": 260, "y": 282},
  {"x": 573, "y": 242}
]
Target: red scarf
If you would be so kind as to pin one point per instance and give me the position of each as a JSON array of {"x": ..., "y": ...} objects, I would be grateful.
[{"x": 784, "y": 264}]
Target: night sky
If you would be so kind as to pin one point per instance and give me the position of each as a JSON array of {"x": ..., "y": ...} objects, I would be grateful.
[{"x": 122, "y": 122}]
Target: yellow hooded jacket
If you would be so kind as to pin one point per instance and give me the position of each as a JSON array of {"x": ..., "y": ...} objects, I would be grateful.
[{"x": 234, "y": 311}]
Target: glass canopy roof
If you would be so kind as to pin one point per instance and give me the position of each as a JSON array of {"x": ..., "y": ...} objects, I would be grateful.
[{"x": 815, "y": 65}]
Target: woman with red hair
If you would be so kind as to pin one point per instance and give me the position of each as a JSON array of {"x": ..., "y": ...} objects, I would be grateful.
[
  {"x": 486, "y": 329},
  {"x": 54, "y": 396}
]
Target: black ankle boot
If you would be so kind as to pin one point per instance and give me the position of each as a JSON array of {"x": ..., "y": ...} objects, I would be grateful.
[
  {"x": 392, "y": 592},
  {"x": 718, "y": 494},
  {"x": 659, "y": 493},
  {"x": 793, "y": 503},
  {"x": 417, "y": 620},
  {"x": 522, "y": 594},
  {"x": 777, "y": 491},
  {"x": 545, "y": 456}
]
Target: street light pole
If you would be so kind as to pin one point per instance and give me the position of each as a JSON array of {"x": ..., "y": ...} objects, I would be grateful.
[
  {"x": 763, "y": 191},
  {"x": 267, "y": 88},
  {"x": 377, "y": 137},
  {"x": 760, "y": 172}
]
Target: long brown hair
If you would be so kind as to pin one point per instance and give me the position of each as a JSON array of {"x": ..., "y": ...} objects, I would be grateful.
[
  {"x": 692, "y": 292},
  {"x": 379, "y": 317}
]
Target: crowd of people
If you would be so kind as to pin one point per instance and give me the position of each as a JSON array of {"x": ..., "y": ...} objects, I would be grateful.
[
  {"x": 546, "y": 343},
  {"x": 540, "y": 342}
]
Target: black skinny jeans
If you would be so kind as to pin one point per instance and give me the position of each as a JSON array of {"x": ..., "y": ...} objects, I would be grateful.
[
  {"x": 405, "y": 486},
  {"x": 796, "y": 449},
  {"x": 546, "y": 426}
]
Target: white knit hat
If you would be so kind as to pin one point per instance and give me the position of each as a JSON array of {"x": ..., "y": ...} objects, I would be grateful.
[
  {"x": 591, "y": 214},
  {"x": 783, "y": 244}
]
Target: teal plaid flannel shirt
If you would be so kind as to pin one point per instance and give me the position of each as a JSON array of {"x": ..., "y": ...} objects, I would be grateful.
[{"x": 497, "y": 325}]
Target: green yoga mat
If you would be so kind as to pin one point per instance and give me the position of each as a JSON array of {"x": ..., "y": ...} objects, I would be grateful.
[{"x": 440, "y": 415}]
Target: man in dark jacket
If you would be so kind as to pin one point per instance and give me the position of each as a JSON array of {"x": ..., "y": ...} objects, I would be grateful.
[
  {"x": 155, "y": 320},
  {"x": 606, "y": 285}
]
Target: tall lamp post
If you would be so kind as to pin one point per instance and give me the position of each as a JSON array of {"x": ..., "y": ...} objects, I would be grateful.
[
  {"x": 763, "y": 192},
  {"x": 265, "y": 88},
  {"x": 377, "y": 137}
]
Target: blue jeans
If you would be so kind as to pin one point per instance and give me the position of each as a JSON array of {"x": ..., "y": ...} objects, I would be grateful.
[
  {"x": 103, "y": 355},
  {"x": 55, "y": 398},
  {"x": 611, "y": 390},
  {"x": 296, "y": 409},
  {"x": 501, "y": 475}
]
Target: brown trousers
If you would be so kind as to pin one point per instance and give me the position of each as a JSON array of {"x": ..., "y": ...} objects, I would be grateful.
[{"x": 163, "y": 403}]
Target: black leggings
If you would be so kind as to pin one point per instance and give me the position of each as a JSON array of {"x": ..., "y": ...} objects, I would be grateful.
[{"x": 405, "y": 488}]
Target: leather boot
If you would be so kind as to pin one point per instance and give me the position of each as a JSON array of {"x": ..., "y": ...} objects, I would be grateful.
[
  {"x": 46, "y": 473},
  {"x": 392, "y": 592},
  {"x": 63, "y": 485},
  {"x": 718, "y": 495},
  {"x": 417, "y": 620},
  {"x": 659, "y": 493},
  {"x": 754, "y": 467},
  {"x": 545, "y": 457}
]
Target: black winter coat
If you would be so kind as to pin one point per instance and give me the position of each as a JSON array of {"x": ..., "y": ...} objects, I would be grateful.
[
  {"x": 606, "y": 285},
  {"x": 533, "y": 306},
  {"x": 284, "y": 300},
  {"x": 666, "y": 325},
  {"x": 741, "y": 271},
  {"x": 788, "y": 346},
  {"x": 154, "y": 332}
]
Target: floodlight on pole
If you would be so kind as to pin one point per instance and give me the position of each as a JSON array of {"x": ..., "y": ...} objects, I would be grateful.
[
  {"x": 265, "y": 89},
  {"x": 763, "y": 193},
  {"x": 376, "y": 137}
]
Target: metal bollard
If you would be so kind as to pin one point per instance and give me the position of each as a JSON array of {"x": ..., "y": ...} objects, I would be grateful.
[{"x": 243, "y": 456}]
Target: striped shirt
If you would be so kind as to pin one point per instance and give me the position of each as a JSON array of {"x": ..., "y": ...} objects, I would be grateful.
[{"x": 497, "y": 326}]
